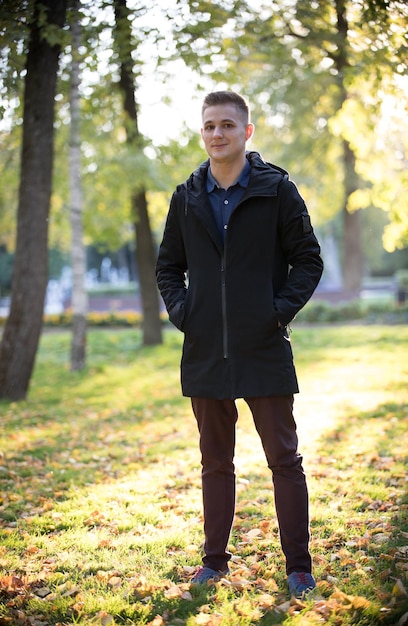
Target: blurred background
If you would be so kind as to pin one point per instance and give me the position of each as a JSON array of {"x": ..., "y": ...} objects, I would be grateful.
[{"x": 328, "y": 88}]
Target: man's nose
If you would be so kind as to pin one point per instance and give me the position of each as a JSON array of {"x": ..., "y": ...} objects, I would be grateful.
[{"x": 218, "y": 131}]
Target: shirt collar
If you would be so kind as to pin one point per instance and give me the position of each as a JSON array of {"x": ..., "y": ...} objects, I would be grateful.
[{"x": 242, "y": 180}]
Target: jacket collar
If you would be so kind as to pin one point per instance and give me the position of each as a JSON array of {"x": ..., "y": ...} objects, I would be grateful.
[{"x": 264, "y": 180}]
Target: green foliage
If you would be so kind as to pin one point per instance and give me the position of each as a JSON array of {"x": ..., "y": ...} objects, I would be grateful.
[
  {"x": 285, "y": 57},
  {"x": 13, "y": 44},
  {"x": 320, "y": 74}
]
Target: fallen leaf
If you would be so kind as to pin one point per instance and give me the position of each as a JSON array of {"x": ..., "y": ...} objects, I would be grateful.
[
  {"x": 186, "y": 595},
  {"x": 105, "y": 618},
  {"x": 399, "y": 589},
  {"x": 252, "y": 534},
  {"x": 42, "y": 592},
  {"x": 245, "y": 609},
  {"x": 359, "y": 602},
  {"x": 78, "y": 607},
  {"x": 71, "y": 592},
  {"x": 173, "y": 592},
  {"x": 265, "y": 601},
  {"x": 380, "y": 538},
  {"x": 265, "y": 526},
  {"x": 402, "y": 553},
  {"x": 236, "y": 583},
  {"x": 204, "y": 619},
  {"x": 157, "y": 621},
  {"x": 284, "y": 607}
]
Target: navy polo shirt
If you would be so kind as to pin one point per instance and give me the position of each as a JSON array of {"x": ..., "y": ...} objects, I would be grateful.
[{"x": 224, "y": 201}]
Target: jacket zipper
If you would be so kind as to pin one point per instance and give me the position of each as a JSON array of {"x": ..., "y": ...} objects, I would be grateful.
[{"x": 224, "y": 305}]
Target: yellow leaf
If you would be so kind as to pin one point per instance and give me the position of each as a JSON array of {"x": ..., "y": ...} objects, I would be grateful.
[
  {"x": 157, "y": 621},
  {"x": 173, "y": 592},
  {"x": 202, "y": 619},
  {"x": 399, "y": 589},
  {"x": 266, "y": 601},
  {"x": 236, "y": 583},
  {"x": 105, "y": 618},
  {"x": 359, "y": 602}
]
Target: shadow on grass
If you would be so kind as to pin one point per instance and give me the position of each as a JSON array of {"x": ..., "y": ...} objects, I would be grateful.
[
  {"x": 101, "y": 469},
  {"x": 83, "y": 428}
]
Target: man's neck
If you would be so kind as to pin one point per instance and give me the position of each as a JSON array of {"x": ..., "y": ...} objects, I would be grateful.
[{"x": 226, "y": 174}]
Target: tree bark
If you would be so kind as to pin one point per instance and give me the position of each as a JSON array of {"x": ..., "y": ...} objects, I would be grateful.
[
  {"x": 352, "y": 247},
  {"x": 78, "y": 255},
  {"x": 30, "y": 273},
  {"x": 352, "y": 252},
  {"x": 146, "y": 261},
  {"x": 145, "y": 251}
]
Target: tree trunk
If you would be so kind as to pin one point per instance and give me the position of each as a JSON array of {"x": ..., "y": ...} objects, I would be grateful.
[
  {"x": 30, "y": 273},
  {"x": 78, "y": 256},
  {"x": 352, "y": 259},
  {"x": 146, "y": 260},
  {"x": 145, "y": 254},
  {"x": 352, "y": 246}
]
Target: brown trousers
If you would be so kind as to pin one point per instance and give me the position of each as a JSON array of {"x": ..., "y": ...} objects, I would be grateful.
[{"x": 273, "y": 418}]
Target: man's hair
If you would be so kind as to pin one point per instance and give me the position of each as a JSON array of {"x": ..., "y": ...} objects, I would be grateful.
[{"x": 227, "y": 97}]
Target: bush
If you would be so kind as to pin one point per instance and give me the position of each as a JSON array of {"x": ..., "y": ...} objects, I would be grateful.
[
  {"x": 317, "y": 311},
  {"x": 123, "y": 319}
]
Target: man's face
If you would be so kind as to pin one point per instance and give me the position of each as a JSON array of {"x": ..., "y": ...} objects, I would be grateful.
[{"x": 225, "y": 133}]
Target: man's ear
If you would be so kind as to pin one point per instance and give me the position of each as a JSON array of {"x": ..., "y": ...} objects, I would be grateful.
[{"x": 249, "y": 131}]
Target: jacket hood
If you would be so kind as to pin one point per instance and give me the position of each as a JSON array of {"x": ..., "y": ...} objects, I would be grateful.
[{"x": 268, "y": 176}]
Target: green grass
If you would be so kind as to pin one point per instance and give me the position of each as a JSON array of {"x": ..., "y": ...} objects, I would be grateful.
[{"x": 100, "y": 505}]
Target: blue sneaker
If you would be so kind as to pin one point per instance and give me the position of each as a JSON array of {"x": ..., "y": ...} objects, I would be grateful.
[
  {"x": 300, "y": 584},
  {"x": 206, "y": 574}
]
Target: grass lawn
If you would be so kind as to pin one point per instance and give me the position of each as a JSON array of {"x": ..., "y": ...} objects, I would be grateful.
[{"x": 100, "y": 502}]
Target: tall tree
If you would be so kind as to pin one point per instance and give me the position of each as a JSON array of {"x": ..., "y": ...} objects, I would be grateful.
[
  {"x": 339, "y": 57},
  {"x": 78, "y": 253},
  {"x": 318, "y": 72},
  {"x": 23, "y": 326},
  {"x": 145, "y": 250}
]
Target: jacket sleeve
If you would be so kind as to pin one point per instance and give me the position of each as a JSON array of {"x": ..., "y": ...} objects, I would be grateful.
[
  {"x": 171, "y": 265},
  {"x": 301, "y": 251}
]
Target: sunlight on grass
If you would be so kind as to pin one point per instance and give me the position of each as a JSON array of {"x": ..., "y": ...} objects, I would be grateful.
[{"x": 100, "y": 510}]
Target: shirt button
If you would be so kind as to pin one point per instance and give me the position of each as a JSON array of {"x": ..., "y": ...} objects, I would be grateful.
[
  {"x": 225, "y": 226},
  {"x": 225, "y": 201}
]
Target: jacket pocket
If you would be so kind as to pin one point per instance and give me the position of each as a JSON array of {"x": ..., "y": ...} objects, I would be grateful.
[{"x": 177, "y": 315}]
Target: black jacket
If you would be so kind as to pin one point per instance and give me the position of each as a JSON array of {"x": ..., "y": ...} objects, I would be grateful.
[{"x": 233, "y": 302}]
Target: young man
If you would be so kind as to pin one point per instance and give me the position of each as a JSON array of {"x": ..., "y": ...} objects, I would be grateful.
[{"x": 238, "y": 260}]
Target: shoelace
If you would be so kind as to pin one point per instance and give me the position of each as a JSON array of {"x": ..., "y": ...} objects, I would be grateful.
[{"x": 302, "y": 578}]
